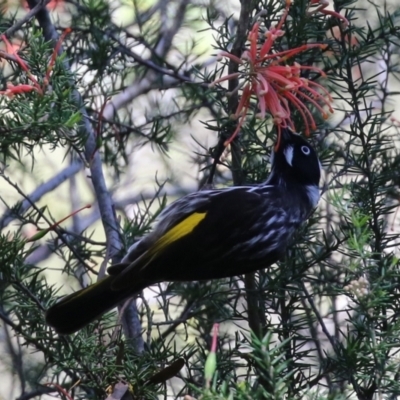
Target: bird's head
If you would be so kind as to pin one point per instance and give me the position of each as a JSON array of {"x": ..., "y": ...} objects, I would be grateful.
[{"x": 294, "y": 161}]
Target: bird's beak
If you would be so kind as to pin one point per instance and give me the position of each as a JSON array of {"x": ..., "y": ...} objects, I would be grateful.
[
  {"x": 283, "y": 138},
  {"x": 286, "y": 134}
]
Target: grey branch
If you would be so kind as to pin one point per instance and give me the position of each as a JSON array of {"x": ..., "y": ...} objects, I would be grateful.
[
  {"x": 38, "y": 7},
  {"x": 92, "y": 156},
  {"x": 39, "y": 192},
  {"x": 146, "y": 83},
  {"x": 37, "y": 392}
]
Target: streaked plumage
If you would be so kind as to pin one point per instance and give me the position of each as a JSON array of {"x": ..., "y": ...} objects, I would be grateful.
[{"x": 208, "y": 235}]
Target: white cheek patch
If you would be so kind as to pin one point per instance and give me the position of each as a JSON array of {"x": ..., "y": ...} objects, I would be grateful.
[
  {"x": 313, "y": 195},
  {"x": 288, "y": 152}
]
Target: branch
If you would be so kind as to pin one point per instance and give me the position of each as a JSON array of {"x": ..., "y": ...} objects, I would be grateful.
[
  {"x": 141, "y": 86},
  {"x": 149, "y": 63},
  {"x": 247, "y": 7},
  {"x": 18, "y": 25},
  {"x": 147, "y": 82},
  {"x": 39, "y": 192},
  {"x": 16, "y": 356},
  {"x": 59, "y": 231},
  {"x": 132, "y": 326},
  {"x": 44, "y": 251},
  {"x": 253, "y": 308},
  {"x": 92, "y": 155},
  {"x": 40, "y": 254},
  {"x": 4, "y": 317},
  {"x": 166, "y": 35},
  {"x": 183, "y": 317},
  {"x": 36, "y": 393},
  {"x": 318, "y": 316},
  {"x": 175, "y": 191},
  {"x": 8, "y": 57}
]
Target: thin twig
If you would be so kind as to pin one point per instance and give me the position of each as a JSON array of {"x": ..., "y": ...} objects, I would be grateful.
[
  {"x": 20, "y": 208},
  {"x": 150, "y": 64},
  {"x": 4, "y": 317},
  {"x": 9, "y": 57},
  {"x": 16, "y": 356},
  {"x": 36, "y": 393},
  {"x": 29, "y": 294},
  {"x": 151, "y": 77},
  {"x": 318, "y": 316},
  {"x": 18, "y": 25},
  {"x": 50, "y": 223},
  {"x": 183, "y": 317}
]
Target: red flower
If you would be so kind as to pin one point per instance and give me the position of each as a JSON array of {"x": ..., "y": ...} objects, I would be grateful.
[
  {"x": 321, "y": 6},
  {"x": 12, "y": 54},
  {"x": 275, "y": 84},
  {"x": 12, "y": 90}
]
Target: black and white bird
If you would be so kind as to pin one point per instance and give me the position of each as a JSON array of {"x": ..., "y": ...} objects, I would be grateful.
[{"x": 209, "y": 234}]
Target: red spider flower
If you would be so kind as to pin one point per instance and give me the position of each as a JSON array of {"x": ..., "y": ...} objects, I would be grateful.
[
  {"x": 321, "y": 5},
  {"x": 12, "y": 89},
  {"x": 11, "y": 54},
  {"x": 275, "y": 84}
]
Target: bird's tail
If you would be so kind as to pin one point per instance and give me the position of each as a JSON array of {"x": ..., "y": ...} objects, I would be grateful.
[{"x": 73, "y": 312}]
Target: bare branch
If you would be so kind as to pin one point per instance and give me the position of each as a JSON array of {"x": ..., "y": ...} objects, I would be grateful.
[
  {"x": 36, "y": 392},
  {"x": 16, "y": 357},
  {"x": 56, "y": 229},
  {"x": 170, "y": 28},
  {"x": 146, "y": 83},
  {"x": 5, "y": 318},
  {"x": 18, "y": 25},
  {"x": 92, "y": 155},
  {"x": 143, "y": 85},
  {"x": 8, "y": 57},
  {"x": 39, "y": 192},
  {"x": 132, "y": 326}
]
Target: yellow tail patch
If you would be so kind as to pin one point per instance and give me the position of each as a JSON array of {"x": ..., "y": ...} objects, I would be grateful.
[{"x": 178, "y": 231}]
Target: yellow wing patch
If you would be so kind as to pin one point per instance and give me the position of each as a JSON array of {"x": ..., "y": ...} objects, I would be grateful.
[
  {"x": 124, "y": 280},
  {"x": 178, "y": 231}
]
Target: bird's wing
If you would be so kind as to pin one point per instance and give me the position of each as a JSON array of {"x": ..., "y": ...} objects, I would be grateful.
[
  {"x": 169, "y": 218},
  {"x": 209, "y": 220}
]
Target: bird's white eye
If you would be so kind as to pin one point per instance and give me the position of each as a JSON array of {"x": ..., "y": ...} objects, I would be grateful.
[{"x": 305, "y": 150}]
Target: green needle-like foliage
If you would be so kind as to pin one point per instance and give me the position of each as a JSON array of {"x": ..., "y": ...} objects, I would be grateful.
[{"x": 131, "y": 90}]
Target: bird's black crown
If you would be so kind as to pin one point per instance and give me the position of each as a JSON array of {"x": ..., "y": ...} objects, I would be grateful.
[{"x": 294, "y": 161}]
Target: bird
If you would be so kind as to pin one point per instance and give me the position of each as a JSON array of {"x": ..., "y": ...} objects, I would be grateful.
[{"x": 209, "y": 234}]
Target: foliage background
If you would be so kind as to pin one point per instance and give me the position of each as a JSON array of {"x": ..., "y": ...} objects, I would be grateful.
[{"x": 129, "y": 123}]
